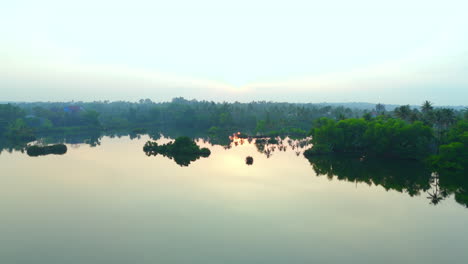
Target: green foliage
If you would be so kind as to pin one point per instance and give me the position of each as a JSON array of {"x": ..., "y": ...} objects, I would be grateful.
[
  {"x": 12, "y": 124},
  {"x": 396, "y": 138},
  {"x": 453, "y": 156},
  {"x": 326, "y": 135},
  {"x": 8, "y": 114},
  {"x": 91, "y": 118},
  {"x": 214, "y": 130},
  {"x": 261, "y": 126},
  {"x": 352, "y": 135},
  {"x": 19, "y": 131},
  {"x": 180, "y": 113},
  {"x": 379, "y": 137},
  {"x": 139, "y": 130}
]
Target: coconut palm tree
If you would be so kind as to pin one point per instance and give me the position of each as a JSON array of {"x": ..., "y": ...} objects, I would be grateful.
[
  {"x": 427, "y": 111},
  {"x": 426, "y": 107},
  {"x": 443, "y": 119},
  {"x": 403, "y": 112}
]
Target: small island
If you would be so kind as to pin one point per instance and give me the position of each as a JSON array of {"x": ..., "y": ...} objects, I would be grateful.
[
  {"x": 183, "y": 150},
  {"x": 57, "y": 149}
]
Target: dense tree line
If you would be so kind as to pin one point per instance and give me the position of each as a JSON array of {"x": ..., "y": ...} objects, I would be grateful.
[
  {"x": 255, "y": 117},
  {"x": 386, "y": 137},
  {"x": 13, "y": 125},
  {"x": 404, "y": 133},
  {"x": 452, "y": 157}
]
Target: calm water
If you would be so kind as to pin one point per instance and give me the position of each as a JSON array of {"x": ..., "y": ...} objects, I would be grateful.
[{"x": 113, "y": 204}]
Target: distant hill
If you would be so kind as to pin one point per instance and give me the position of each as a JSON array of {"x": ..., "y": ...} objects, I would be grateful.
[{"x": 389, "y": 107}]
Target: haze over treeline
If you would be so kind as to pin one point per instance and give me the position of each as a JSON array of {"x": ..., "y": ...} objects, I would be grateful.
[{"x": 258, "y": 117}]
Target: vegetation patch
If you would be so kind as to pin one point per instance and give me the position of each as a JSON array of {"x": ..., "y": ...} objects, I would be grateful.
[
  {"x": 384, "y": 137},
  {"x": 183, "y": 150}
]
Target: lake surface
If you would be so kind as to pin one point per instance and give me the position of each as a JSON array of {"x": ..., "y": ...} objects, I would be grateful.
[{"x": 113, "y": 204}]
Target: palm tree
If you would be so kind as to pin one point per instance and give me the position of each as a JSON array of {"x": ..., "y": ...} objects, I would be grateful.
[
  {"x": 427, "y": 110},
  {"x": 414, "y": 115},
  {"x": 403, "y": 112},
  {"x": 444, "y": 118},
  {"x": 449, "y": 116},
  {"x": 426, "y": 107}
]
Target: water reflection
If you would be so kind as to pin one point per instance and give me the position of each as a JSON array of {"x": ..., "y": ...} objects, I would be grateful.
[
  {"x": 408, "y": 177},
  {"x": 57, "y": 149},
  {"x": 452, "y": 182},
  {"x": 249, "y": 160},
  {"x": 403, "y": 176},
  {"x": 268, "y": 145}
]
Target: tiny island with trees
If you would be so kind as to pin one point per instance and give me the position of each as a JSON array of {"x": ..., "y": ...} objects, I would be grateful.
[{"x": 183, "y": 150}]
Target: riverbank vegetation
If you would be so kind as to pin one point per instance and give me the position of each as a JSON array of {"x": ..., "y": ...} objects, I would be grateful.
[
  {"x": 267, "y": 118},
  {"x": 436, "y": 137},
  {"x": 384, "y": 137},
  {"x": 397, "y": 132}
]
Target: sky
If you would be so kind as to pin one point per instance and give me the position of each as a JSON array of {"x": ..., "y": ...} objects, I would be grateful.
[{"x": 400, "y": 51}]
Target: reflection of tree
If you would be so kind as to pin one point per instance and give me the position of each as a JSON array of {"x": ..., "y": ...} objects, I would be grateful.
[
  {"x": 93, "y": 139},
  {"x": 402, "y": 176},
  {"x": 57, "y": 149},
  {"x": 185, "y": 160},
  {"x": 435, "y": 195},
  {"x": 269, "y": 145},
  {"x": 10, "y": 146},
  {"x": 454, "y": 182}
]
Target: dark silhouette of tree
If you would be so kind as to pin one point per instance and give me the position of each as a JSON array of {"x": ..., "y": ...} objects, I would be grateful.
[
  {"x": 427, "y": 107},
  {"x": 380, "y": 109},
  {"x": 403, "y": 112},
  {"x": 435, "y": 195}
]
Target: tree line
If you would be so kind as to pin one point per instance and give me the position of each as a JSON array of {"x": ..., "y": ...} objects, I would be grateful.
[{"x": 255, "y": 117}]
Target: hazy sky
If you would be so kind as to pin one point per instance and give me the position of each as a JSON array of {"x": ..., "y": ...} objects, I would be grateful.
[{"x": 399, "y": 51}]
